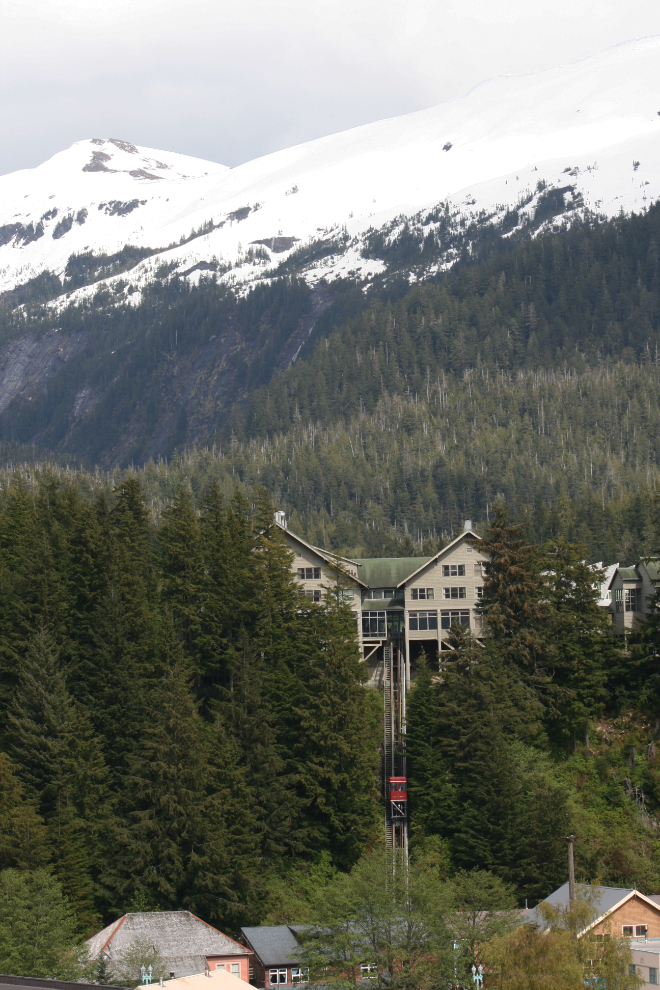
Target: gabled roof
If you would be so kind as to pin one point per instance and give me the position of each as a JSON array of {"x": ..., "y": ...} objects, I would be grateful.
[
  {"x": 330, "y": 558},
  {"x": 274, "y": 945},
  {"x": 466, "y": 534},
  {"x": 388, "y": 572},
  {"x": 627, "y": 574},
  {"x": 610, "y": 899}
]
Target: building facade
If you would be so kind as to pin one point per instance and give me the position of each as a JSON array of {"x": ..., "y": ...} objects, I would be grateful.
[
  {"x": 276, "y": 960},
  {"x": 410, "y": 602},
  {"x": 631, "y": 590},
  {"x": 186, "y": 944}
]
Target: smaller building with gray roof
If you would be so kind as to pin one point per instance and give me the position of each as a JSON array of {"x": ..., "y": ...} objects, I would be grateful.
[
  {"x": 276, "y": 960},
  {"x": 186, "y": 944}
]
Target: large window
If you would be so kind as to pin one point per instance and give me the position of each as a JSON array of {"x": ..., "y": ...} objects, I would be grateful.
[
  {"x": 373, "y": 624},
  {"x": 309, "y": 573},
  {"x": 618, "y": 599},
  {"x": 276, "y": 976},
  {"x": 453, "y": 570},
  {"x": 454, "y": 593},
  {"x": 421, "y": 621},
  {"x": 632, "y": 599},
  {"x": 368, "y": 971},
  {"x": 421, "y": 594},
  {"x": 447, "y": 619},
  {"x": 235, "y": 969},
  {"x": 299, "y": 975},
  {"x": 653, "y": 975},
  {"x": 395, "y": 623}
]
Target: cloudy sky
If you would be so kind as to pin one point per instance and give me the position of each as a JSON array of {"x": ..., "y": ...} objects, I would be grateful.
[{"x": 230, "y": 80}]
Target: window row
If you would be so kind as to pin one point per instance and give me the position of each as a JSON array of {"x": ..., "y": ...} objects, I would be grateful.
[
  {"x": 309, "y": 573},
  {"x": 458, "y": 570},
  {"x": 380, "y": 623},
  {"x": 277, "y": 976},
  {"x": 421, "y": 621},
  {"x": 426, "y": 594},
  {"x": 628, "y": 599},
  {"x": 383, "y": 593},
  {"x": 636, "y": 931}
]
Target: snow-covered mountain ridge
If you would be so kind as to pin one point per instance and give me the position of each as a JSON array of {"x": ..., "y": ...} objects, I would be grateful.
[{"x": 590, "y": 129}]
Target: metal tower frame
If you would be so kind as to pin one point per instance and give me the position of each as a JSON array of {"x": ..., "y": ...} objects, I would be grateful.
[{"x": 396, "y": 679}]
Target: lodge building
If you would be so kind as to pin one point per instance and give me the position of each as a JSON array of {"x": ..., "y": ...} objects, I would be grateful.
[{"x": 411, "y": 601}]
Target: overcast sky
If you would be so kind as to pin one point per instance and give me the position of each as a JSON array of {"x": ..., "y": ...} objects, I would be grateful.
[{"x": 230, "y": 81}]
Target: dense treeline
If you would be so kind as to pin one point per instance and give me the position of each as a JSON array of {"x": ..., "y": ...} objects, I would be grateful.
[
  {"x": 527, "y": 735},
  {"x": 161, "y": 697},
  {"x": 556, "y": 302}
]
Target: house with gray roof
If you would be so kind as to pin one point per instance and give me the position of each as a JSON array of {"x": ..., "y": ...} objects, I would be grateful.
[
  {"x": 186, "y": 944},
  {"x": 276, "y": 960}
]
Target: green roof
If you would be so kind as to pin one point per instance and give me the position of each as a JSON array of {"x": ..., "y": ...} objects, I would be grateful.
[
  {"x": 629, "y": 574},
  {"x": 387, "y": 572}
]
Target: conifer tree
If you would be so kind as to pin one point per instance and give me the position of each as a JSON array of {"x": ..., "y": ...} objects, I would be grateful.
[
  {"x": 121, "y": 666},
  {"x": 338, "y": 728},
  {"x": 163, "y": 791},
  {"x": 23, "y": 835},
  {"x": 515, "y": 608},
  {"x": 431, "y": 790},
  {"x": 37, "y": 927},
  {"x": 184, "y": 580},
  {"x": 583, "y": 650},
  {"x": 226, "y": 882},
  {"x": 60, "y": 762}
]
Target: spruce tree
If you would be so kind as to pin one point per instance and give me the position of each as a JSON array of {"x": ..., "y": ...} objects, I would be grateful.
[
  {"x": 338, "y": 724},
  {"x": 184, "y": 577},
  {"x": 121, "y": 666},
  {"x": 431, "y": 789},
  {"x": 163, "y": 792},
  {"x": 515, "y": 608},
  {"x": 60, "y": 762},
  {"x": 23, "y": 835},
  {"x": 583, "y": 651}
]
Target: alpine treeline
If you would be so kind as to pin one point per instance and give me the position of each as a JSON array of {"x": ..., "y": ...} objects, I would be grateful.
[{"x": 177, "y": 722}]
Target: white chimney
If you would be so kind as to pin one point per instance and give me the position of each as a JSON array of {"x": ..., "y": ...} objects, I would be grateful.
[
  {"x": 468, "y": 525},
  {"x": 280, "y": 518}
]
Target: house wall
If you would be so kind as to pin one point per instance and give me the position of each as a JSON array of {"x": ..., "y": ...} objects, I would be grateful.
[
  {"x": 461, "y": 553},
  {"x": 644, "y": 960},
  {"x": 633, "y": 912},
  {"x": 261, "y": 974},
  {"x": 624, "y": 621},
  {"x": 226, "y": 963},
  {"x": 305, "y": 557}
]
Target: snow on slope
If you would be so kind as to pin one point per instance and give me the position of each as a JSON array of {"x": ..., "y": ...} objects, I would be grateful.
[{"x": 583, "y": 125}]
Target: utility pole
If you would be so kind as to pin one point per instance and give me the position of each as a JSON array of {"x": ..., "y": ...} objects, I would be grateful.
[{"x": 570, "y": 839}]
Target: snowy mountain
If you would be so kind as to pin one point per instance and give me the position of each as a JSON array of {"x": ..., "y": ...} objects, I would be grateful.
[{"x": 585, "y": 136}]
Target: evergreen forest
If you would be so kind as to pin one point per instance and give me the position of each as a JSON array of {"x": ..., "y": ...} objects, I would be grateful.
[{"x": 180, "y": 729}]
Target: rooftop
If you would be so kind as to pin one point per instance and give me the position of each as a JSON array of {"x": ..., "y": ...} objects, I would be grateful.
[
  {"x": 183, "y": 940},
  {"x": 388, "y": 572},
  {"x": 275, "y": 945},
  {"x": 221, "y": 980}
]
